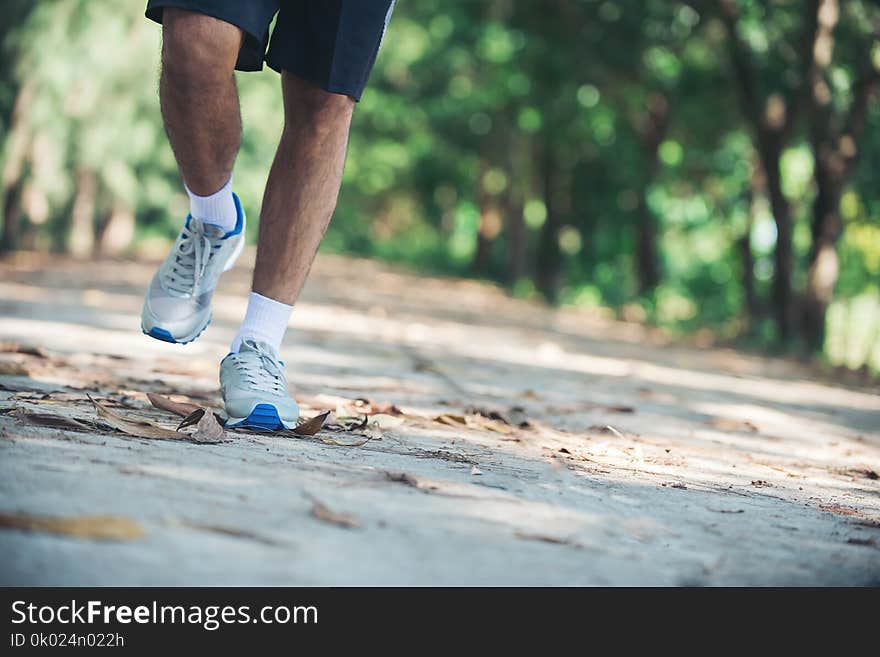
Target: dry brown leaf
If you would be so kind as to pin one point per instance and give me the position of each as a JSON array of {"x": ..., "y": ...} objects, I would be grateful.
[
  {"x": 99, "y": 528},
  {"x": 346, "y": 520},
  {"x": 346, "y": 423},
  {"x": 49, "y": 420},
  {"x": 497, "y": 427},
  {"x": 313, "y": 426},
  {"x": 13, "y": 369},
  {"x": 17, "y": 348},
  {"x": 402, "y": 478},
  {"x": 339, "y": 443},
  {"x": 546, "y": 538},
  {"x": 191, "y": 419},
  {"x": 208, "y": 429},
  {"x": 451, "y": 420},
  {"x": 368, "y": 407},
  {"x": 234, "y": 532},
  {"x": 606, "y": 428},
  {"x": 729, "y": 424},
  {"x": 135, "y": 427},
  {"x": 385, "y": 422},
  {"x": 182, "y": 409}
]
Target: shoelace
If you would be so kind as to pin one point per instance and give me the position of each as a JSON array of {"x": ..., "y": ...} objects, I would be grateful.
[
  {"x": 259, "y": 367},
  {"x": 194, "y": 251}
]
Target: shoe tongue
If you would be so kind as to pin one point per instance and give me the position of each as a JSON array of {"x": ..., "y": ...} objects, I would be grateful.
[
  {"x": 250, "y": 344},
  {"x": 212, "y": 231}
]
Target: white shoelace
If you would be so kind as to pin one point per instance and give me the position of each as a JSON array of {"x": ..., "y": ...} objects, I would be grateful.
[
  {"x": 258, "y": 366},
  {"x": 194, "y": 251}
]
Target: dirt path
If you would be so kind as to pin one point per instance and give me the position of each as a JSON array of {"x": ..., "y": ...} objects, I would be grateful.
[{"x": 573, "y": 450}]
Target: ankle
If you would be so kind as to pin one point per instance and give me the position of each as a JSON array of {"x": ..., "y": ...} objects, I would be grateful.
[
  {"x": 218, "y": 208},
  {"x": 265, "y": 321}
]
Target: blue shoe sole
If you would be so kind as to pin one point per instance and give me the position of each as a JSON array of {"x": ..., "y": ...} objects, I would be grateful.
[
  {"x": 264, "y": 417},
  {"x": 165, "y": 336}
]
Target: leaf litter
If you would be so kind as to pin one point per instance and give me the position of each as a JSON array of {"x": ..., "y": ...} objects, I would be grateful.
[
  {"x": 324, "y": 514},
  {"x": 95, "y": 527},
  {"x": 146, "y": 429}
]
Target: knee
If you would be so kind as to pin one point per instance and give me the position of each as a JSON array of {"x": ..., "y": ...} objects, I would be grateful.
[
  {"x": 197, "y": 48},
  {"x": 309, "y": 106}
]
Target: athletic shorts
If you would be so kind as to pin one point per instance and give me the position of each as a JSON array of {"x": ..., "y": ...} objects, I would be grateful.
[{"x": 332, "y": 43}]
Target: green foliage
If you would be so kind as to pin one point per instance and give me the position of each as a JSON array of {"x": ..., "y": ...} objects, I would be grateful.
[{"x": 483, "y": 119}]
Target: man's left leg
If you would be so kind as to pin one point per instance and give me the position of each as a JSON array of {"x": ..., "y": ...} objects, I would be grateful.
[
  {"x": 299, "y": 200},
  {"x": 324, "y": 52}
]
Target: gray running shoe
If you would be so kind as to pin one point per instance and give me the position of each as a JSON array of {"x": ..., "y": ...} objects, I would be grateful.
[
  {"x": 177, "y": 307},
  {"x": 254, "y": 389}
]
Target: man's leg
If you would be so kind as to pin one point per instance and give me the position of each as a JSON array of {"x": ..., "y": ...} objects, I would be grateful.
[
  {"x": 324, "y": 52},
  {"x": 299, "y": 200},
  {"x": 302, "y": 188},
  {"x": 200, "y": 108},
  {"x": 199, "y": 98}
]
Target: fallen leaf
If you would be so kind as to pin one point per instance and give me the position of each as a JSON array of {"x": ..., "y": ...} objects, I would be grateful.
[
  {"x": 606, "y": 428},
  {"x": 17, "y": 348},
  {"x": 13, "y": 369},
  {"x": 99, "y": 528},
  {"x": 50, "y": 420},
  {"x": 729, "y": 424},
  {"x": 546, "y": 538},
  {"x": 313, "y": 426},
  {"x": 191, "y": 419},
  {"x": 208, "y": 429},
  {"x": 368, "y": 407},
  {"x": 403, "y": 478},
  {"x": 620, "y": 409},
  {"x": 497, "y": 427},
  {"x": 339, "y": 443},
  {"x": 861, "y": 541},
  {"x": 451, "y": 420},
  {"x": 324, "y": 514},
  {"x": 385, "y": 422},
  {"x": 837, "y": 508},
  {"x": 234, "y": 532},
  {"x": 347, "y": 424},
  {"x": 178, "y": 408},
  {"x": 135, "y": 427}
]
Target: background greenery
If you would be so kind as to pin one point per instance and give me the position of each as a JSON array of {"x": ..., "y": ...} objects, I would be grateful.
[{"x": 706, "y": 166}]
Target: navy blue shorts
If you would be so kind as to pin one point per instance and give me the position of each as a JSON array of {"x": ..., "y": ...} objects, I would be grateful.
[{"x": 332, "y": 43}]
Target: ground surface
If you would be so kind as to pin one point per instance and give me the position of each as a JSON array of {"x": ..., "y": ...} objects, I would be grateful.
[{"x": 636, "y": 462}]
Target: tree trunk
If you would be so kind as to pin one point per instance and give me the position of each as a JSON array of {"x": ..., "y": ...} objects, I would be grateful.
[
  {"x": 783, "y": 254},
  {"x": 653, "y": 131},
  {"x": 756, "y": 189},
  {"x": 835, "y": 151},
  {"x": 117, "y": 233},
  {"x": 11, "y": 218},
  {"x": 81, "y": 242},
  {"x": 516, "y": 236},
  {"x": 17, "y": 147},
  {"x": 549, "y": 272}
]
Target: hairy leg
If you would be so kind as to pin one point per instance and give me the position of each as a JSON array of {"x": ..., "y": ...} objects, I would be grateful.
[
  {"x": 199, "y": 98},
  {"x": 302, "y": 187}
]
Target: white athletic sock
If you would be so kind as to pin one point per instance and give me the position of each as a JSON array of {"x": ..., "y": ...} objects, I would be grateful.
[
  {"x": 218, "y": 208},
  {"x": 265, "y": 321}
]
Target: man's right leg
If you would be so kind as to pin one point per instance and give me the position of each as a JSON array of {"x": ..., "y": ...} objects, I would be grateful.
[
  {"x": 200, "y": 108},
  {"x": 199, "y": 98}
]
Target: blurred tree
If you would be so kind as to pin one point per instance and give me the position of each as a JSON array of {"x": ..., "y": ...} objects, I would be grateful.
[{"x": 692, "y": 163}]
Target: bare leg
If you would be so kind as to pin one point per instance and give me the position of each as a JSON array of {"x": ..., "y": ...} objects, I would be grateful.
[
  {"x": 199, "y": 98},
  {"x": 302, "y": 187}
]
